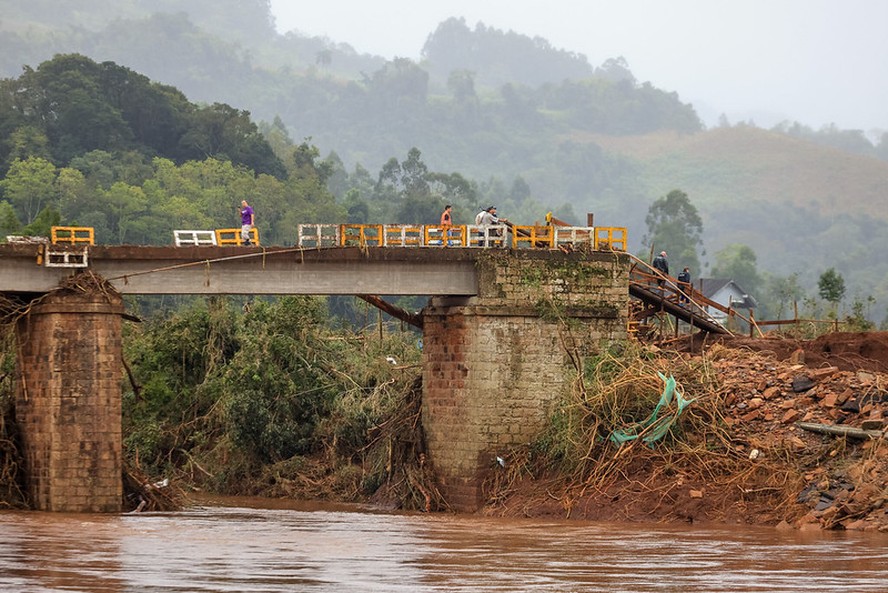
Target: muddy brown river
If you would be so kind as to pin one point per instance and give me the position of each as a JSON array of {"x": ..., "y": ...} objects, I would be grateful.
[{"x": 245, "y": 545}]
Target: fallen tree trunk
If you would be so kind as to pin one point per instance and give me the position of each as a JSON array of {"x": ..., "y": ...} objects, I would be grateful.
[
  {"x": 414, "y": 319},
  {"x": 850, "y": 432}
]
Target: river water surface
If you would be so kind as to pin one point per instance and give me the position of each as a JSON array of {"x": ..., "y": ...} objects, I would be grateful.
[{"x": 334, "y": 549}]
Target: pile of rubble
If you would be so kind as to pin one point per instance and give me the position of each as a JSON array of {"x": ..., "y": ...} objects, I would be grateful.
[{"x": 831, "y": 421}]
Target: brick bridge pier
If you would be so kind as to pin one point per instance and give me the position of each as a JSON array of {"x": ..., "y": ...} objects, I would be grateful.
[
  {"x": 68, "y": 401},
  {"x": 493, "y": 364}
]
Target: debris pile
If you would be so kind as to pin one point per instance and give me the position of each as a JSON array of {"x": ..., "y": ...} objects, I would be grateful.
[
  {"x": 780, "y": 432},
  {"x": 831, "y": 422}
]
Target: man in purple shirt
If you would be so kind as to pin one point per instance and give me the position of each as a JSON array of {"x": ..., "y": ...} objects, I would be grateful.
[{"x": 247, "y": 220}]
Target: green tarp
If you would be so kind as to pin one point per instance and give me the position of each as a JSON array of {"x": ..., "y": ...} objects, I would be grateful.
[{"x": 655, "y": 427}]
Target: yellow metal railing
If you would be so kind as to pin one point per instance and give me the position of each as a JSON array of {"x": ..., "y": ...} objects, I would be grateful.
[
  {"x": 362, "y": 235},
  {"x": 438, "y": 236},
  {"x": 233, "y": 237},
  {"x": 610, "y": 238},
  {"x": 73, "y": 234},
  {"x": 533, "y": 236}
]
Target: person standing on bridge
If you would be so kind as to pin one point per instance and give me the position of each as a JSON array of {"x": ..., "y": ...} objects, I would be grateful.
[
  {"x": 248, "y": 220},
  {"x": 684, "y": 285},
  {"x": 661, "y": 264},
  {"x": 446, "y": 224},
  {"x": 487, "y": 218}
]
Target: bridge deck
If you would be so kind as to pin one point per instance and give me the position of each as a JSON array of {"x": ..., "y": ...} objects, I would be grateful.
[
  {"x": 252, "y": 270},
  {"x": 206, "y": 270}
]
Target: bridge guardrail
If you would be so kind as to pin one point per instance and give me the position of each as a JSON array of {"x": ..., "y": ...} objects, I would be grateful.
[
  {"x": 403, "y": 235},
  {"x": 311, "y": 235},
  {"x": 396, "y": 235},
  {"x": 574, "y": 235},
  {"x": 318, "y": 235},
  {"x": 73, "y": 234},
  {"x": 194, "y": 238},
  {"x": 610, "y": 239},
  {"x": 533, "y": 236},
  {"x": 233, "y": 236},
  {"x": 361, "y": 235}
]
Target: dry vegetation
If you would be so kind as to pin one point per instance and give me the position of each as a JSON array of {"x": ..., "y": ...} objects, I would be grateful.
[{"x": 734, "y": 455}]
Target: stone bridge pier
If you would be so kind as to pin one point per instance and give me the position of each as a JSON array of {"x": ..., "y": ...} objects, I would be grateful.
[
  {"x": 494, "y": 364},
  {"x": 68, "y": 401}
]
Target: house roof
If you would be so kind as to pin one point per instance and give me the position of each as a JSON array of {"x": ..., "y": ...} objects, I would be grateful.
[{"x": 710, "y": 286}]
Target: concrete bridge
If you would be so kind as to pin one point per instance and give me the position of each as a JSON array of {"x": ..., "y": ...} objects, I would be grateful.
[{"x": 499, "y": 334}]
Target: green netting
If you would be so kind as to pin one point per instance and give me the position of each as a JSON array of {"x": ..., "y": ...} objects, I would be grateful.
[{"x": 654, "y": 427}]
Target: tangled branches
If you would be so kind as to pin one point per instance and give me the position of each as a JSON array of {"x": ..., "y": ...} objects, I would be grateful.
[{"x": 697, "y": 469}]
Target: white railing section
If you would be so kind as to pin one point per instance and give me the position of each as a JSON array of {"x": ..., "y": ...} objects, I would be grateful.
[
  {"x": 194, "y": 238},
  {"x": 319, "y": 235},
  {"x": 496, "y": 235},
  {"x": 67, "y": 259},
  {"x": 574, "y": 235}
]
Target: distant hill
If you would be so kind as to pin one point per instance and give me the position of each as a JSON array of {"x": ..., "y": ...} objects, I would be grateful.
[
  {"x": 745, "y": 164},
  {"x": 801, "y": 206}
]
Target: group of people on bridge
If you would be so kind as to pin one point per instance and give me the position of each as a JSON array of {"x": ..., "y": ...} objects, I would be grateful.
[
  {"x": 486, "y": 217},
  {"x": 661, "y": 264}
]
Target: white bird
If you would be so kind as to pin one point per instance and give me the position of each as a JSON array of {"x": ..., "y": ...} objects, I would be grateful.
[
  {"x": 391, "y": 360},
  {"x": 501, "y": 461}
]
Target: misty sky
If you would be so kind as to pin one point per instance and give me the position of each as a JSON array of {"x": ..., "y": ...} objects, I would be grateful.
[{"x": 814, "y": 61}]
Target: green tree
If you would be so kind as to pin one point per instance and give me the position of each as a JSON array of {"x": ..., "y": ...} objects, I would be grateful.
[
  {"x": 9, "y": 224},
  {"x": 28, "y": 141},
  {"x": 782, "y": 292},
  {"x": 42, "y": 224},
  {"x": 831, "y": 287},
  {"x": 858, "y": 319},
  {"x": 72, "y": 192},
  {"x": 127, "y": 206},
  {"x": 29, "y": 186},
  {"x": 225, "y": 133},
  {"x": 674, "y": 226},
  {"x": 738, "y": 262},
  {"x": 76, "y": 107}
]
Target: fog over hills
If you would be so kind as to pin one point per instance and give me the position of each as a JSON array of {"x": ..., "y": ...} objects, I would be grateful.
[{"x": 814, "y": 61}]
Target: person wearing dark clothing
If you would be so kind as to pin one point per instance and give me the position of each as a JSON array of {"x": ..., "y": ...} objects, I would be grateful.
[
  {"x": 684, "y": 285},
  {"x": 661, "y": 264}
]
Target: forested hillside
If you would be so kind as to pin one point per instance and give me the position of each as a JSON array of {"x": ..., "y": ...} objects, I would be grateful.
[{"x": 486, "y": 116}]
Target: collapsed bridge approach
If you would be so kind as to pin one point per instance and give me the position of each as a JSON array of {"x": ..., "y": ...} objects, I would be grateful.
[{"x": 500, "y": 333}]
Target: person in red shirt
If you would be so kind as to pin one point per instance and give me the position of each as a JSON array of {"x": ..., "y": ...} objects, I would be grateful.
[{"x": 446, "y": 223}]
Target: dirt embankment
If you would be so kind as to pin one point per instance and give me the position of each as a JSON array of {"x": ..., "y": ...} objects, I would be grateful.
[
  {"x": 849, "y": 351},
  {"x": 758, "y": 464}
]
